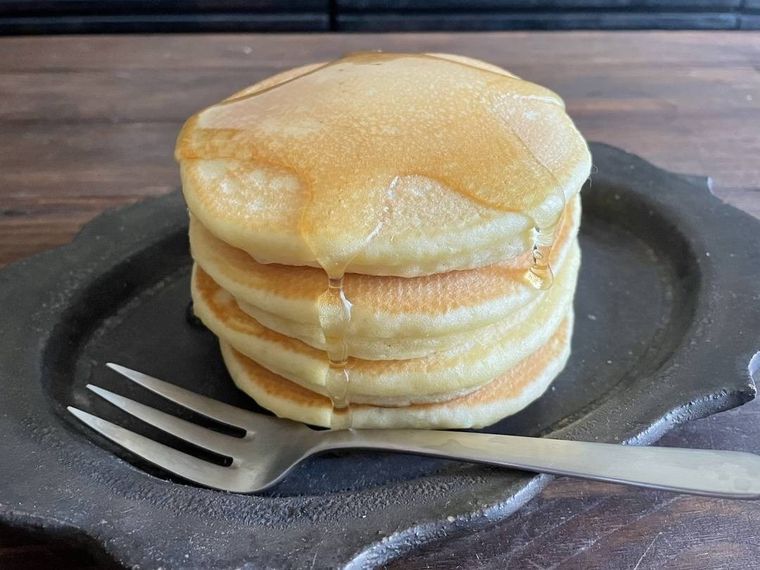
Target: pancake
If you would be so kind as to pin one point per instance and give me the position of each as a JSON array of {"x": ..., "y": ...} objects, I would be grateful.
[
  {"x": 387, "y": 240},
  {"x": 386, "y": 174},
  {"x": 502, "y": 397},
  {"x": 476, "y": 359},
  {"x": 391, "y": 317}
]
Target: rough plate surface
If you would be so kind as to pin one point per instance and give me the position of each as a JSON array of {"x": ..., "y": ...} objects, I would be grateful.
[{"x": 668, "y": 319}]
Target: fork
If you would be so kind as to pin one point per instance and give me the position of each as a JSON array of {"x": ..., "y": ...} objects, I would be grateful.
[{"x": 271, "y": 447}]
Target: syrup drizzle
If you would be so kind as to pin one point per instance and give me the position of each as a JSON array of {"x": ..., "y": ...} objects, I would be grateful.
[
  {"x": 335, "y": 318},
  {"x": 352, "y": 139},
  {"x": 540, "y": 274}
]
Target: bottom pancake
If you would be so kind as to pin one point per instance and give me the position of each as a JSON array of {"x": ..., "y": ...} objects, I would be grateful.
[{"x": 501, "y": 397}]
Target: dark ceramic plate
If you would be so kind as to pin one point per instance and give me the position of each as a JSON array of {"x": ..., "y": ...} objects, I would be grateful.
[{"x": 667, "y": 320}]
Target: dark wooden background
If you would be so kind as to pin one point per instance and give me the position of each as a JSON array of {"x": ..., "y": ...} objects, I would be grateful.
[
  {"x": 141, "y": 16},
  {"x": 88, "y": 123}
]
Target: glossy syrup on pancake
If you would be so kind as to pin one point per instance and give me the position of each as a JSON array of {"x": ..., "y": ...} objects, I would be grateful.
[{"x": 372, "y": 118}]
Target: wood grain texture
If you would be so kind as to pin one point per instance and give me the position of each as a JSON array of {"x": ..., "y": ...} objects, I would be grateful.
[
  {"x": 50, "y": 7},
  {"x": 492, "y": 5},
  {"x": 172, "y": 23},
  {"x": 539, "y": 20},
  {"x": 88, "y": 123}
]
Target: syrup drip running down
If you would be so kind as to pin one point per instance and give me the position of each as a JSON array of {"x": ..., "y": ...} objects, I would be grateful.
[
  {"x": 540, "y": 274},
  {"x": 340, "y": 128},
  {"x": 335, "y": 319}
]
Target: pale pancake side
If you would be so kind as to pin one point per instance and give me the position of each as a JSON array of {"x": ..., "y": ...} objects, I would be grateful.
[
  {"x": 425, "y": 313},
  {"x": 479, "y": 357},
  {"x": 502, "y": 397}
]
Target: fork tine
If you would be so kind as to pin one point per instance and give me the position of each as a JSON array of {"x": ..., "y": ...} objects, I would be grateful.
[
  {"x": 163, "y": 456},
  {"x": 213, "y": 409},
  {"x": 198, "y": 435}
]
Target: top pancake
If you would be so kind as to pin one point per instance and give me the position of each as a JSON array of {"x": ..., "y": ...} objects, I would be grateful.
[{"x": 383, "y": 164}]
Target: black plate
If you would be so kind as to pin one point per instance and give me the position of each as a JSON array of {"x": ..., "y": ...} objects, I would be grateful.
[{"x": 667, "y": 320}]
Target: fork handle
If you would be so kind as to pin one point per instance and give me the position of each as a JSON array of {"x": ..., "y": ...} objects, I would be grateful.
[{"x": 730, "y": 474}]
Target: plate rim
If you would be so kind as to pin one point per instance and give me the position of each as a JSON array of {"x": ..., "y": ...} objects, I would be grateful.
[{"x": 22, "y": 359}]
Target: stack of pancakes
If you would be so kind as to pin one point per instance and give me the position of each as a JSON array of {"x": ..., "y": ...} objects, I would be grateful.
[{"x": 439, "y": 193}]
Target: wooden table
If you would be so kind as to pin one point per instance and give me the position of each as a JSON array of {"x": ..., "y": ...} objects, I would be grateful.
[{"x": 88, "y": 123}]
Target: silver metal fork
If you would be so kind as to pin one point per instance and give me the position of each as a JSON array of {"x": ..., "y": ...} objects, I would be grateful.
[{"x": 271, "y": 447}]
